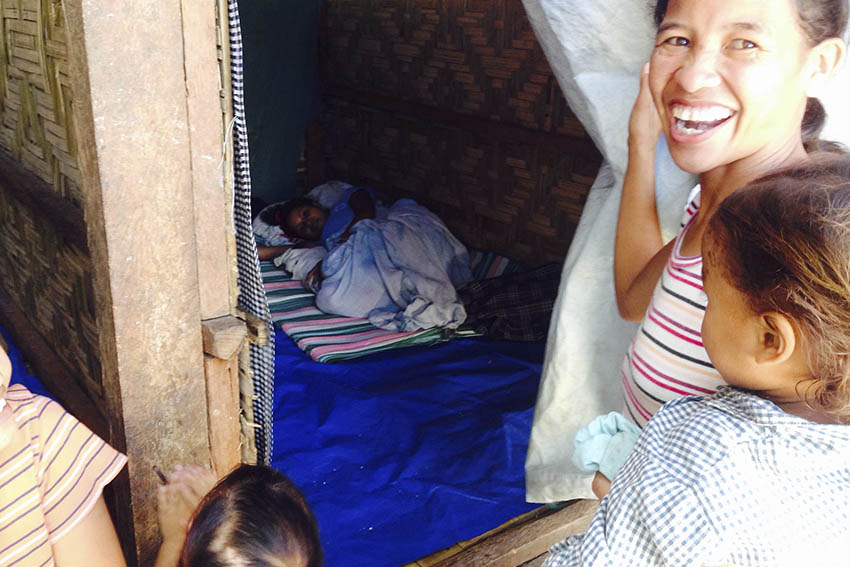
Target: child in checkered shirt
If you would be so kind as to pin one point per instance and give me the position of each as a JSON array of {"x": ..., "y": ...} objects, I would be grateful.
[{"x": 758, "y": 474}]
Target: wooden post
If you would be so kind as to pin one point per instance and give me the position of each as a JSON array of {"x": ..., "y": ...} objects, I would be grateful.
[{"x": 132, "y": 125}]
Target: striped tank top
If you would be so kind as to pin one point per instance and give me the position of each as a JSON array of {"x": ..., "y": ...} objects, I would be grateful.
[{"x": 667, "y": 359}]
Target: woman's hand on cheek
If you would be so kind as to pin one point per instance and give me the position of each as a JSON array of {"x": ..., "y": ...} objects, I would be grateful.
[{"x": 644, "y": 122}]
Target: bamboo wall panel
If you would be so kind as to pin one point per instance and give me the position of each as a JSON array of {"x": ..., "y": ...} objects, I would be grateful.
[
  {"x": 50, "y": 280},
  {"x": 521, "y": 199},
  {"x": 477, "y": 62},
  {"x": 48, "y": 277}
]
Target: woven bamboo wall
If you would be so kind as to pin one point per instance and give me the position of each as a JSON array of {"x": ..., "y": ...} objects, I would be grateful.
[
  {"x": 453, "y": 103},
  {"x": 47, "y": 276}
]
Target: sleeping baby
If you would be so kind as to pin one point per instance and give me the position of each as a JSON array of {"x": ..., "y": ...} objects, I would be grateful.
[{"x": 397, "y": 266}]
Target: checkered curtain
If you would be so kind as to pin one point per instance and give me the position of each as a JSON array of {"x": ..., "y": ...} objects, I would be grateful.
[{"x": 252, "y": 297}]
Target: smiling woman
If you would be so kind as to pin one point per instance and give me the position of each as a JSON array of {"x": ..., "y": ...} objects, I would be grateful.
[
  {"x": 728, "y": 84},
  {"x": 720, "y": 75}
]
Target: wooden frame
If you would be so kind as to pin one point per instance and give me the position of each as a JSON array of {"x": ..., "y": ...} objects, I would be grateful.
[{"x": 149, "y": 130}]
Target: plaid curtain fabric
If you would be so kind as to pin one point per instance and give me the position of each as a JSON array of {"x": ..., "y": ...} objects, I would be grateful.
[{"x": 252, "y": 297}]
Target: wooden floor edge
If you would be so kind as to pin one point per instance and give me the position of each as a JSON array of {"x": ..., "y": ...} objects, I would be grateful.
[{"x": 517, "y": 541}]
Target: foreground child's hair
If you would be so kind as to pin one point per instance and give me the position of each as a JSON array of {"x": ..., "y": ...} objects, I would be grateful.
[
  {"x": 254, "y": 517},
  {"x": 785, "y": 241}
]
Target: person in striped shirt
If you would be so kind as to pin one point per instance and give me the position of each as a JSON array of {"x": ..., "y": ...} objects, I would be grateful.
[
  {"x": 731, "y": 83},
  {"x": 52, "y": 473}
]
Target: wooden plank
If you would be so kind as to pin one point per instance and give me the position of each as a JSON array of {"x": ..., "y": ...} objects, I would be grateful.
[
  {"x": 536, "y": 562},
  {"x": 223, "y": 411},
  {"x": 526, "y": 541},
  {"x": 213, "y": 206},
  {"x": 134, "y": 149},
  {"x": 223, "y": 336}
]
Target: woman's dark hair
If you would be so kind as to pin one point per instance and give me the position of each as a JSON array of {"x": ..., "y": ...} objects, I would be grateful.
[
  {"x": 784, "y": 242},
  {"x": 278, "y": 214},
  {"x": 254, "y": 517},
  {"x": 819, "y": 20}
]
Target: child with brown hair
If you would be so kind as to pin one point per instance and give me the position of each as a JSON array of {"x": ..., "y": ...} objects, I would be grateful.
[{"x": 758, "y": 474}]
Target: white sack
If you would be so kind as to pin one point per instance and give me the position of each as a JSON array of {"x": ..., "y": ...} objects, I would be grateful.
[{"x": 596, "y": 50}]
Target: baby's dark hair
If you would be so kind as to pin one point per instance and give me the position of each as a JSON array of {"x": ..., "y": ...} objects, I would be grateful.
[
  {"x": 254, "y": 517},
  {"x": 785, "y": 243},
  {"x": 819, "y": 20},
  {"x": 279, "y": 214}
]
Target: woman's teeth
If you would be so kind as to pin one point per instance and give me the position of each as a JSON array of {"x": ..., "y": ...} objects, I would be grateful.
[{"x": 691, "y": 120}]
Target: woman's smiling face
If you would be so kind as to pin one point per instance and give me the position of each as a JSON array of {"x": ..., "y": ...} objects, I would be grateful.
[{"x": 729, "y": 80}]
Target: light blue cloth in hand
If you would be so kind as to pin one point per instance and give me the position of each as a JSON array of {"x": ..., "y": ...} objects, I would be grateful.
[{"x": 604, "y": 444}]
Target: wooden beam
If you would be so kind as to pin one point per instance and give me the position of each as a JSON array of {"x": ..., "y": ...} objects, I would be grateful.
[
  {"x": 214, "y": 235},
  {"x": 223, "y": 336},
  {"x": 128, "y": 78},
  {"x": 223, "y": 412},
  {"x": 524, "y": 542}
]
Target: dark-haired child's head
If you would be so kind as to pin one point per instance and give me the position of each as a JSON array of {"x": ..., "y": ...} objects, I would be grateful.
[
  {"x": 777, "y": 275},
  {"x": 300, "y": 217},
  {"x": 254, "y": 517}
]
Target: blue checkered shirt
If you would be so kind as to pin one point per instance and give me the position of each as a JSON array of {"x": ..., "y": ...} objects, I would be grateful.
[{"x": 729, "y": 480}]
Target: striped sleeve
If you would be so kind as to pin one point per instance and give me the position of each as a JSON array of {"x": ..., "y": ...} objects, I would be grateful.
[{"x": 74, "y": 465}]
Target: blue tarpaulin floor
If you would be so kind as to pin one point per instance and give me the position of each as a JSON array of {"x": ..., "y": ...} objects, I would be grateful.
[{"x": 405, "y": 452}]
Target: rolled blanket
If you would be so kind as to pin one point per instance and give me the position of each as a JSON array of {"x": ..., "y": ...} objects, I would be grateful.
[
  {"x": 399, "y": 271},
  {"x": 604, "y": 444},
  {"x": 299, "y": 261}
]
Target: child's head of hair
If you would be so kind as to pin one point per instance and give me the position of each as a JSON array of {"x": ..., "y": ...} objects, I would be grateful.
[
  {"x": 254, "y": 517},
  {"x": 784, "y": 241}
]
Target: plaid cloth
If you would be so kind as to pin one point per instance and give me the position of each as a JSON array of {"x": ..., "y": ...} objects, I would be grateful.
[
  {"x": 252, "y": 298},
  {"x": 726, "y": 480},
  {"x": 513, "y": 307}
]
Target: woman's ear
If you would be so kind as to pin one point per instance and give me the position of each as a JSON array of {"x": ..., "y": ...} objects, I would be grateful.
[
  {"x": 824, "y": 59},
  {"x": 777, "y": 338}
]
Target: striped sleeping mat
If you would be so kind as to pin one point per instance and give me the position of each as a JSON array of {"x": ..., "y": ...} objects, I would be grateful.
[{"x": 331, "y": 338}]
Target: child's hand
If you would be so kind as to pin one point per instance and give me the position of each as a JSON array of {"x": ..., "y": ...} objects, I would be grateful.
[
  {"x": 314, "y": 278},
  {"x": 177, "y": 500},
  {"x": 601, "y": 485},
  {"x": 644, "y": 123}
]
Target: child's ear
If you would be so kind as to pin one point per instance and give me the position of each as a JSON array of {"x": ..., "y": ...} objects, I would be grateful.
[
  {"x": 824, "y": 59},
  {"x": 777, "y": 338}
]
